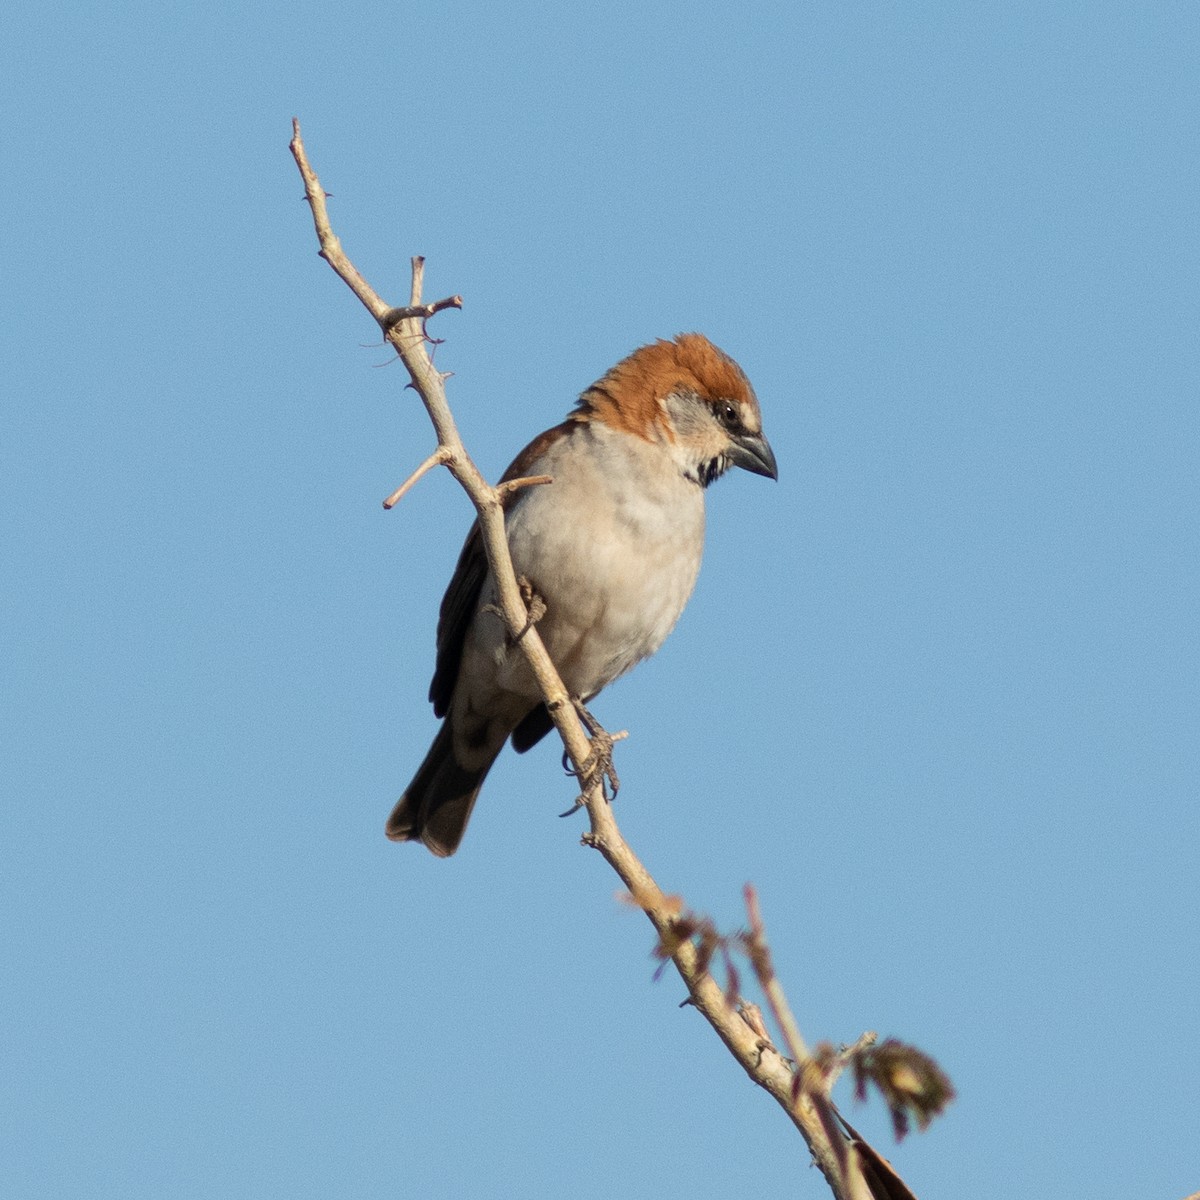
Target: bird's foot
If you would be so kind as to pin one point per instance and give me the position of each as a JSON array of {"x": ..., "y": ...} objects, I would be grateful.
[
  {"x": 535, "y": 609},
  {"x": 598, "y": 766}
]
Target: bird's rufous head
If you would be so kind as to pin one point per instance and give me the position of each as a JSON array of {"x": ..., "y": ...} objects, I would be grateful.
[{"x": 693, "y": 397}]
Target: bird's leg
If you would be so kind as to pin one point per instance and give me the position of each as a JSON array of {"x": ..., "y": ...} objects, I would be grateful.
[{"x": 599, "y": 763}]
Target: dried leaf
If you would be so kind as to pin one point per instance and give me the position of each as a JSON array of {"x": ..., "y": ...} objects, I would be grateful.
[{"x": 912, "y": 1085}]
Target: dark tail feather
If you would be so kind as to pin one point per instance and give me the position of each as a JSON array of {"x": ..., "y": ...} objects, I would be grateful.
[{"x": 437, "y": 804}]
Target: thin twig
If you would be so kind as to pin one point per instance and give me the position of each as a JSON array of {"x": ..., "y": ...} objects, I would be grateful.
[
  {"x": 419, "y": 311},
  {"x": 769, "y": 981},
  {"x": 812, "y": 1082},
  {"x": 511, "y": 486},
  {"x": 331, "y": 247},
  {"x": 438, "y": 458},
  {"x": 838, "y": 1063}
]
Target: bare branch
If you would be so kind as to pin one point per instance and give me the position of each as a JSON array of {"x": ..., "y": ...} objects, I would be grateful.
[
  {"x": 407, "y": 334},
  {"x": 331, "y": 248},
  {"x": 690, "y": 947}
]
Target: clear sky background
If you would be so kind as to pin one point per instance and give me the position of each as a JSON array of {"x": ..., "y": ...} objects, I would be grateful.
[{"x": 936, "y": 695}]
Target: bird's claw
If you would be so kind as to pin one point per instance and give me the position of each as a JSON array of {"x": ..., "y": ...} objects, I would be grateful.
[
  {"x": 535, "y": 610},
  {"x": 574, "y": 807},
  {"x": 598, "y": 766},
  {"x": 535, "y": 607}
]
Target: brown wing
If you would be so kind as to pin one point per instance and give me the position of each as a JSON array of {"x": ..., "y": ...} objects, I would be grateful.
[
  {"x": 461, "y": 600},
  {"x": 462, "y": 596},
  {"x": 526, "y": 462},
  {"x": 458, "y": 607}
]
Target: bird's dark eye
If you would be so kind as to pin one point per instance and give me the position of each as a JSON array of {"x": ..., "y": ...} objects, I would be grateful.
[{"x": 727, "y": 414}]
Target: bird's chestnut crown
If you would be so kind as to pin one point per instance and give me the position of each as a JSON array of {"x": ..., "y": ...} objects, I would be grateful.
[{"x": 690, "y": 395}]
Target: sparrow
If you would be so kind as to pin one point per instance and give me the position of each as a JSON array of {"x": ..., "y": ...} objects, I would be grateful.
[{"x": 611, "y": 549}]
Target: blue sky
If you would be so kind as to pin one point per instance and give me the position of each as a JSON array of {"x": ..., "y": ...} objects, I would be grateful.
[{"x": 936, "y": 694}]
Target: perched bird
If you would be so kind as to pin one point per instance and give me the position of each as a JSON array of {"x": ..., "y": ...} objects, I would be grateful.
[{"x": 612, "y": 548}]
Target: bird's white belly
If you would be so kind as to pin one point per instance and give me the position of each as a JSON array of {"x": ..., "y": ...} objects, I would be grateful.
[{"x": 614, "y": 580}]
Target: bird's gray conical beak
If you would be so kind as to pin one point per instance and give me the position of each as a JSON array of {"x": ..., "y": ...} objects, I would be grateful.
[{"x": 752, "y": 452}]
